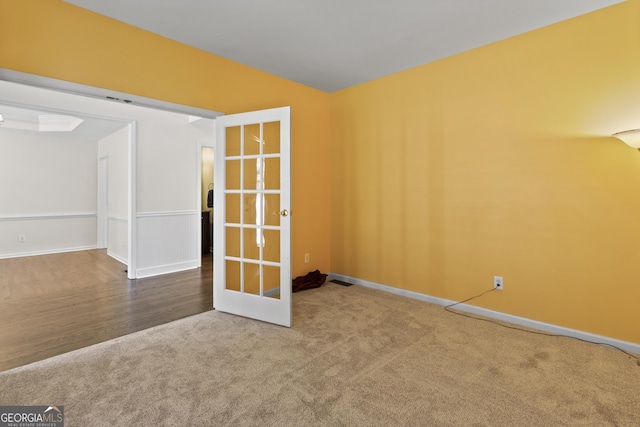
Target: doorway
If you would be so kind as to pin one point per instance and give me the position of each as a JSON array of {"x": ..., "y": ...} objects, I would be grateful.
[
  {"x": 58, "y": 163},
  {"x": 206, "y": 199},
  {"x": 163, "y": 215}
]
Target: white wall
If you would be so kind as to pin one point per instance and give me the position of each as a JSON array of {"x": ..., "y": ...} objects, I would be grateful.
[
  {"x": 48, "y": 193},
  {"x": 167, "y": 208},
  {"x": 168, "y": 217},
  {"x": 115, "y": 148}
]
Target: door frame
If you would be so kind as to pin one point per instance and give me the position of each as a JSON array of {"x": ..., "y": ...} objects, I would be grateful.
[{"x": 80, "y": 90}]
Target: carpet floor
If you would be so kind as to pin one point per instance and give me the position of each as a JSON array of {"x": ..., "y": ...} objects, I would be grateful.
[{"x": 354, "y": 357}]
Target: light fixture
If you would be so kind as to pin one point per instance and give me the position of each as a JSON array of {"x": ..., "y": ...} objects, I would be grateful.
[
  {"x": 629, "y": 137},
  {"x": 1, "y": 118},
  {"x": 57, "y": 123}
]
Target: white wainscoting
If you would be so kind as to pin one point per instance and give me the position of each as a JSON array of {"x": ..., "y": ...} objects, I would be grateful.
[
  {"x": 167, "y": 242},
  {"x": 47, "y": 233},
  {"x": 517, "y": 320},
  {"x": 117, "y": 241}
]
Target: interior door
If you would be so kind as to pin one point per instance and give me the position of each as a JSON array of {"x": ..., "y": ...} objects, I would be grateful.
[{"x": 252, "y": 222}]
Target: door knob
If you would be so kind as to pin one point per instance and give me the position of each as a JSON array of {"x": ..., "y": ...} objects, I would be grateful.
[{"x": 284, "y": 213}]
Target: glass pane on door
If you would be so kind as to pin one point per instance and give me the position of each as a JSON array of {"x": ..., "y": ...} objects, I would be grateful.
[{"x": 252, "y": 220}]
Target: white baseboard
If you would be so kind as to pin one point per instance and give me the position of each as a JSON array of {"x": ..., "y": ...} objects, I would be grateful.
[
  {"x": 167, "y": 242},
  {"x": 48, "y": 252},
  {"x": 271, "y": 292},
  {"x": 117, "y": 258},
  {"x": 503, "y": 317},
  {"x": 165, "y": 269}
]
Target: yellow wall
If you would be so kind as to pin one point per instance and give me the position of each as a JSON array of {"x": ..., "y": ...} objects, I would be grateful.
[
  {"x": 55, "y": 39},
  {"x": 497, "y": 162}
]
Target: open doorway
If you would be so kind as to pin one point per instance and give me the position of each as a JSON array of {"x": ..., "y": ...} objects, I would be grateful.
[
  {"x": 160, "y": 213},
  {"x": 164, "y": 208},
  {"x": 58, "y": 165},
  {"x": 207, "y": 191}
]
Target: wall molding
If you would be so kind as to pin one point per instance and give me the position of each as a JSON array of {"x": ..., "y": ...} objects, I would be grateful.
[
  {"x": 166, "y": 213},
  {"x": 271, "y": 292},
  {"x": 503, "y": 317},
  {"x": 167, "y": 268},
  {"x": 117, "y": 239},
  {"x": 167, "y": 242},
  {"x": 117, "y": 257},
  {"x": 48, "y": 252},
  {"x": 95, "y": 92},
  {"x": 48, "y": 215}
]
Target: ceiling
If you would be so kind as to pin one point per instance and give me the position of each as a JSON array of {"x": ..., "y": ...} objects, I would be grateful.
[
  {"x": 334, "y": 44},
  {"x": 72, "y": 126}
]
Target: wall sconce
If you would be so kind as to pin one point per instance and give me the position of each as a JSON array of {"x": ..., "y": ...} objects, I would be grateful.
[{"x": 629, "y": 137}]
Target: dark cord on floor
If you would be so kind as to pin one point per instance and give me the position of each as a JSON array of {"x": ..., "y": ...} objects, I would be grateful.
[{"x": 448, "y": 308}]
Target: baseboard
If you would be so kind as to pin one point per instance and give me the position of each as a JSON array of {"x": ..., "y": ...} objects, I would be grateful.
[
  {"x": 503, "y": 317},
  {"x": 118, "y": 258},
  {"x": 165, "y": 269},
  {"x": 271, "y": 292},
  {"x": 48, "y": 252}
]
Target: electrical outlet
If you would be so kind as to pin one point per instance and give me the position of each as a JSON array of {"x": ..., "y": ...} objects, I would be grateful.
[
  {"x": 22, "y": 238},
  {"x": 306, "y": 258},
  {"x": 498, "y": 283}
]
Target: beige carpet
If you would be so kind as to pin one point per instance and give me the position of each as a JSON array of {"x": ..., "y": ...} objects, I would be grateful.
[{"x": 355, "y": 357}]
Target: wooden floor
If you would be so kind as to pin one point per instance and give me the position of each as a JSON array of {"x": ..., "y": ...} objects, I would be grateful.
[{"x": 52, "y": 304}]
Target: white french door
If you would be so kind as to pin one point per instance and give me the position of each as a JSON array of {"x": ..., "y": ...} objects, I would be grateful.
[{"x": 252, "y": 222}]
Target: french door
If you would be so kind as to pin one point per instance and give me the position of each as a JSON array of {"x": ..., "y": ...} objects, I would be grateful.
[{"x": 252, "y": 222}]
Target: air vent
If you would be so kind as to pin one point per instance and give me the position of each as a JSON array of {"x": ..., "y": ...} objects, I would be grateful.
[{"x": 113, "y": 98}]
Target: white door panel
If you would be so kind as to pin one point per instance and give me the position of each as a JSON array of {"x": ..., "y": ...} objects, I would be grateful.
[{"x": 252, "y": 252}]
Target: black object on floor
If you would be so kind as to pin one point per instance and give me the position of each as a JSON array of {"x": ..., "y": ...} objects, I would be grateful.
[
  {"x": 340, "y": 282},
  {"x": 311, "y": 280}
]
